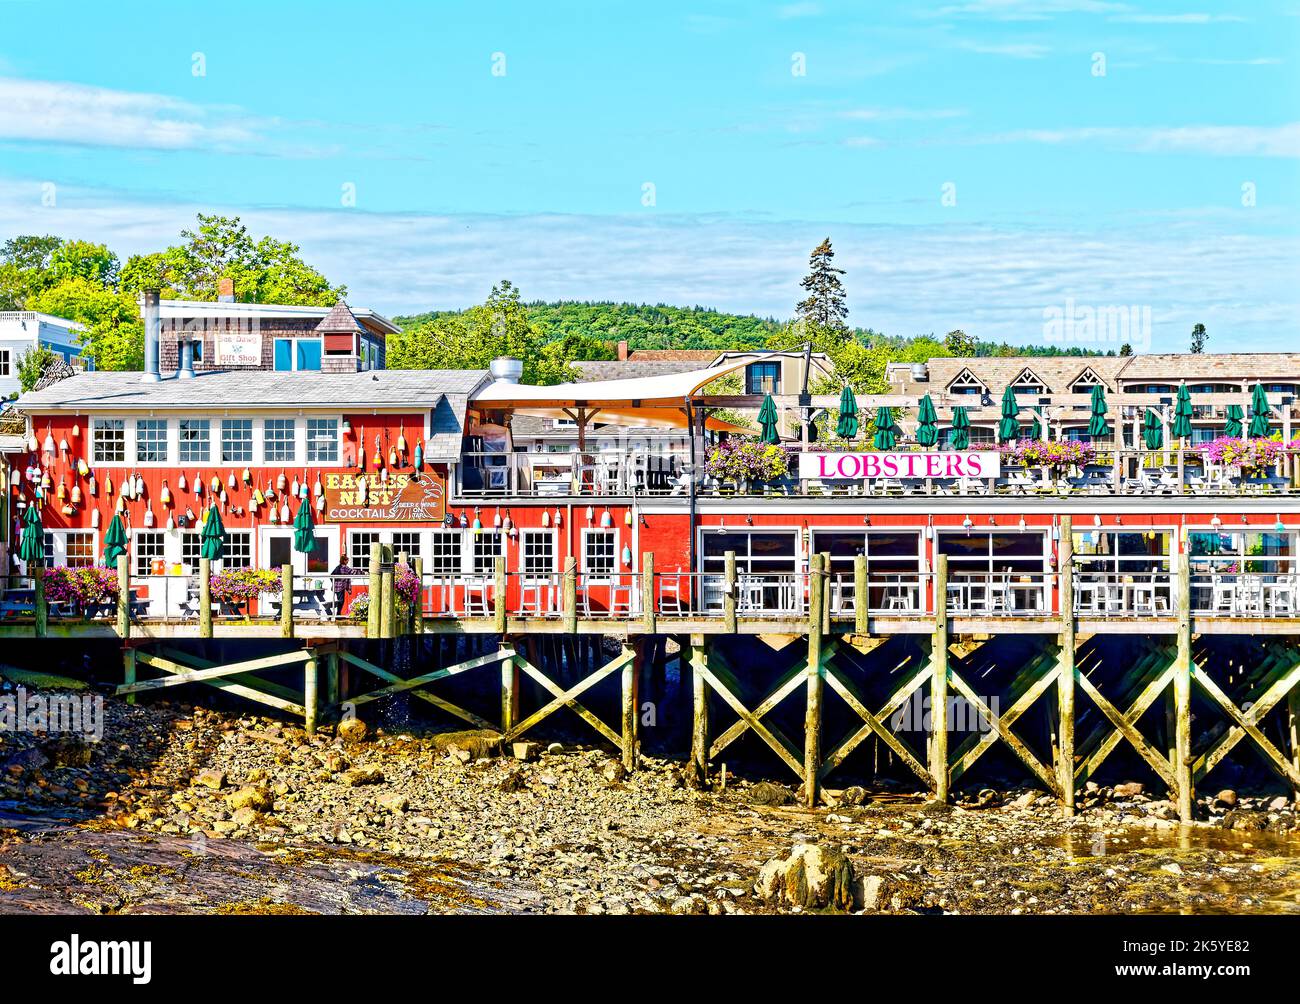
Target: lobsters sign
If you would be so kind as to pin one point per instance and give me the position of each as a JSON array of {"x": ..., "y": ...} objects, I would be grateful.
[
  {"x": 855, "y": 466},
  {"x": 406, "y": 498}
]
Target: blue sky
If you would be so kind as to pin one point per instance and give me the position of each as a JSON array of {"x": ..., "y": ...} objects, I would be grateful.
[{"x": 1062, "y": 184}]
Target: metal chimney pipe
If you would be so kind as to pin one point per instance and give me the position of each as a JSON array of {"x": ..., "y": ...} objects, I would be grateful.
[
  {"x": 187, "y": 359},
  {"x": 152, "y": 335}
]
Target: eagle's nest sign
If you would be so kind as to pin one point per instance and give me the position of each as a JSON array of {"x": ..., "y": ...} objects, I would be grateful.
[{"x": 405, "y": 498}]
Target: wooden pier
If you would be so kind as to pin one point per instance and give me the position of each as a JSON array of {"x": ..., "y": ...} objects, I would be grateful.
[{"x": 871, "y": 668}]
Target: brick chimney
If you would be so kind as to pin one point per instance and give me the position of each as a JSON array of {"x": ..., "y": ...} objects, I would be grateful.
[
  {"x": 622, "y": 351},
  {"x": 225, "y": 290}
]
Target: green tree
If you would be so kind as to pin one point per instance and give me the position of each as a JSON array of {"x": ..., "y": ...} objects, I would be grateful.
[
  {"x": 1126, "y": 349},
  {"x": 1199, "y": 337},
  {"x": 824, "y": 306},
  {"x": 114, "y": 335},
  {"x": 960, "y": 344},
  {"x": 25, "y": 268},
  {"x": 31, "y": 364},
  {"x": 220, "y": 247}
]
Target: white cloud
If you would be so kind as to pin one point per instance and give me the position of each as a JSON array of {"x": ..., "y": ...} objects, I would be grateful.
[
  {"x": 56, "y": 112},
  {"x": 1016, "y": 50},
  {"x": 1232, "y": 271},
  {"x": 794, "y": 10},
  {"x": 1218, "y": 141},
  {"x": 1028, "y": 10},
  {"x": 1175, "y": 18}
]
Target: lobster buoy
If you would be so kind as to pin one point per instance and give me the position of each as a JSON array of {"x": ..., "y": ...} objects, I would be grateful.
[
  {"x": 83, "y": 468},
  {"x": 280, "y": 482},
  {"x": 419, "y": 455},
  {"x": 320, "y": 503},
  {"x": 94, "y": 519},
  {"x": 148, "y": 516},
  {"x": 181, "y": 483}
]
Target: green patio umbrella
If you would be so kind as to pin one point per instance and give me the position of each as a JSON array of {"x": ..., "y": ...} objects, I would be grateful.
[
  {"x": 885, "y": 438},
  {"x": 1232, "y": 417},
  {"x": 1097, "y": 424},
  {"x": 1182, "y": 427},
  {"x": 766, "y": 421},
  {"x": 304, "y": 529},
  {"x": 1036, "y": 428},
  {"x": 114, "y": 541},
  {"x": 960, "y": 428},
  {"x": 1009, "y": 427},
  {"x": 1152, "y": 434},
  {"x": 31, "y": 545},
  {"x": 1259, "y": 412},
  {"x": 212, "y": 541},
  {"x": 847, "y": 426},
  {"x": 927, "y": 423}
]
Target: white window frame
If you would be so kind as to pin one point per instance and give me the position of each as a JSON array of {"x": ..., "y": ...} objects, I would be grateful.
[
  {"x": 241, "y": 421},
  {"x": 267, "y": 441},
  {"x": 525, "y": 536},
  {"x": 57, "y": 547},
  {"x": 98, "y": 424},
  {"x": 590, "y": 576},
  {"x": 181, "y": 458}
]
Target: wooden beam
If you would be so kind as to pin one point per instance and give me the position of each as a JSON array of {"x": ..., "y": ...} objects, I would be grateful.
[
  {"x": 1159, "y": 764},
  {"x": 374, "y": 608},
  {"x": 1065, "y": 667},
  {"x": 861, "y": 603},
  {"x": 729, "y": 592},
  {"x": 181, "y": 674},
  {"x": 1182, "y": 762},
  {"x": 1270, "y": 753},
  {"x": 648, "y": 592},
  {"x": 700, "y": 708},
  {"x": 123, "y": 597},
  {"x": 628, "y": 691},
  {"x": 875, "y": 724},
  {"x": 205, "y": 598},
  {"x": 286, "y": 601},
  {"x": 812, "y": 732},
  {"x": 568, "y": 698},
  {"x": 939, "y": 681}
]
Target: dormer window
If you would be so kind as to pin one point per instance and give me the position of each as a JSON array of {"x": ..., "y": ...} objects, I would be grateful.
[
  {"x": 967, "y": 382},
  {"x": 1028, "y": 383},
  {"x": 1085, "y": 381}
]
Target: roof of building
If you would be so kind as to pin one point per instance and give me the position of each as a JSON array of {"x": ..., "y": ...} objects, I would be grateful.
[
  {"x": 615, "y": 369},
  {"x": 36, "y": 315},
  {"x": 340, "y": 321},
  {"x": 386, "y": 389},
  {"x": 178, "y": 310},
  {"x": 1250, "y": 366},
  {"x": 669, "y": 355},
  {"x": 1056, "y": 373}
]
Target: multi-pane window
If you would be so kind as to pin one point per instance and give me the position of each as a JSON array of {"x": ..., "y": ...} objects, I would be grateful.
[
  {"x": 406, "y": 542},
  {"x": 78, "y": 548},
  {"x": 195, "y": 440},
  {"x": 537, "y": 553},
  {"x": 191, "y": 549},
  {"x": 444, "y": 555},
  {"x": 109, "y": 438},
  {"x": 763, "y": 378},
  {"x": 598, "y": 557},
  {"x": 322, "y": 440},
  {"x": 236, "y": 440},
  {"x": 238, "y": 552},
  {"x": 488, "y": 546},
  {"x": 278, "y": 440},
  {"x": 151, "y": 440},
  {"x": 4, "y": 362},
  {"x": 359, "y": 547},
  {"x": 148, "y": 549}
]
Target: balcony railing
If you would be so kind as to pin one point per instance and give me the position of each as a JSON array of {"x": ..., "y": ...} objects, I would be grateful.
[{"x": 1115, "y": 473}]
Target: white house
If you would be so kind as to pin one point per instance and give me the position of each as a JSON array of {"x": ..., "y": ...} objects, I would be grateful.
[{"x": 22, "y": 329}]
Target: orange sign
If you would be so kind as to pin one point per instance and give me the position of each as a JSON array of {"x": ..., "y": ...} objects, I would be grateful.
[{"x": 406, "y": 498}]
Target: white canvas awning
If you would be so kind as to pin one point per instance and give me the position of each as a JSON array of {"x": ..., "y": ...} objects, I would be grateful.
[{"x": 658, "y": 401}]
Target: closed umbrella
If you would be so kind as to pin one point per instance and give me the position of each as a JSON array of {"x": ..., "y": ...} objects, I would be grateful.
[
  {"x": 114, "y": 541},
  {"x": 1259, "y": 412},
  {"x": 1232, "y": 419},
  {"x": 1182, "y": 428},
  {"x": 767, "y": 420},
  {"x": 212, "y": 540},
  {"x": 960, "y": 438},
  {"x": 31, "y": 545},
  {"x": 847, "y": 426},
  {"x": 1152, "y": 434},
  {"x": 1097, "y": 424},
  {"x": 927, "y": 423},
  {"x": 304, "y": 530},
  {"x": 1009, "y": 427},
  {"x": 885, "y": 438},
  {"x": 1035, "y": 428}
]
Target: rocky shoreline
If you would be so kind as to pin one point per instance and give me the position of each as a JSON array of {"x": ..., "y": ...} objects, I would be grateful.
[{"x": 185, "y": 809}]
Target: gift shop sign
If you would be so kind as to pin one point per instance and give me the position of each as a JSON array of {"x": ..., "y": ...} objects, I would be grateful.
[
  {"x": 854, "y": 466},
  {"x": 402, "y": 498},
  {"x": 239, "y": 348}
]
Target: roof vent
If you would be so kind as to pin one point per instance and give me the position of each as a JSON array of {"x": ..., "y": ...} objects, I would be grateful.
[
  {"x": 920, "y": 372},
  {"x": 507, "y": 370}
]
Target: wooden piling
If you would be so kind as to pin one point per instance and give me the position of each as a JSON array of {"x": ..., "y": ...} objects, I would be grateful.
[
  {"x": 700, "y": 702},
  {"x": 729, "y": 592},
  {"x": 509, "y": 690},
  {"x": 332, "y": 681},
  {"x": 123, "y": 596},
  {"x": 387, "y": 596},
  {"x": 861, "y": 600},
  {"x": 417, "y": 608},
  {"x": 827, "y": 593},
  {"x": 374, "y": 618},
  {"x": 1065, "y": 668},
  {"x": 648, "y": 591},
  {"x": 40, "y": 605},
  {"x": 128, "y": 671},
  {"x": 570, "y": 597},
  {"x": 205, "y": 598},
  {"x": 630, "y": 673},
  {"x": 286, "y": 601},
  {"x": 1183, "y": 688},
  {"x": 939, "y": 681},
  {"x": 310, "y": 702},
  {"x": 1293, "y": 733},
  {"x": 813, "y": 717},
  {"x": 499, "y": 596}
]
